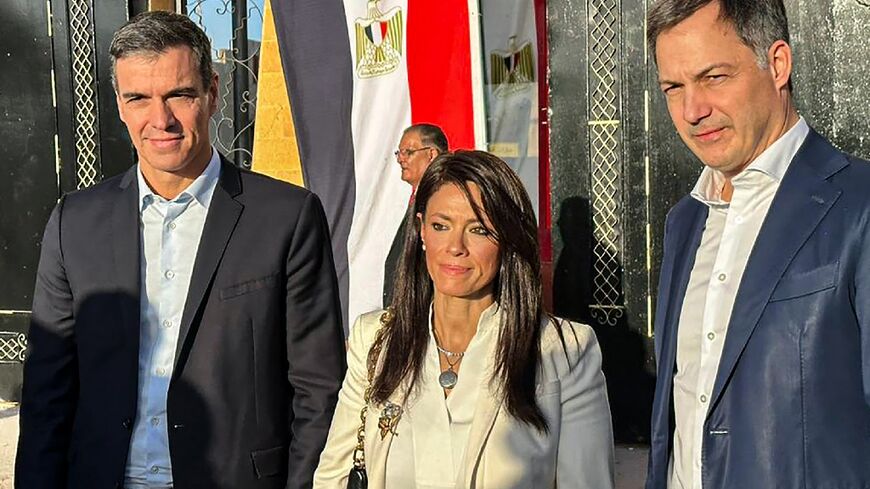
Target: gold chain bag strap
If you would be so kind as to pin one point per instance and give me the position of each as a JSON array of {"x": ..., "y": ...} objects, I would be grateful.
[{"x": 357, "y": 478}]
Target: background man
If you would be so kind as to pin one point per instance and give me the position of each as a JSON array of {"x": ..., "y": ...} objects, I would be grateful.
[
  {"x": 186, "y": 325},
  {"x": 420, "y": 144},
  {"x": 763, "y": 318}
]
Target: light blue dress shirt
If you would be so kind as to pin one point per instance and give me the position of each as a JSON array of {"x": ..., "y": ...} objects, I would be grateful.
[{"x": 169, "y": 235}]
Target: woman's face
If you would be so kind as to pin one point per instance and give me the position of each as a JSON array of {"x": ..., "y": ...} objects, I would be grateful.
[{"x": 462, "y": 257}]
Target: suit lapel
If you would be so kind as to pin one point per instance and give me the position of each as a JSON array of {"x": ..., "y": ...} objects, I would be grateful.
[
  {"x": 125, "y": 242},
  {"x": 485, "y": 413},
  {"x": 677, "y": 269},
  {"x": 487, "y": 407},
  {"x": 376, "y": 448},
  {"x": 803, "y": 199},
  {"x": 223, "y": 214}
]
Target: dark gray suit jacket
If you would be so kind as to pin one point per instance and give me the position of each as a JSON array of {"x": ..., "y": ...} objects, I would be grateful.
[
  {"x": 260, "y": 355},
  {"x": 394, "y": 257}
]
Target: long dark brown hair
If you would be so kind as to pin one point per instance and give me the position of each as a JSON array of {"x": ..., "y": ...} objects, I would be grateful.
[{"x": 517, "y": 285}]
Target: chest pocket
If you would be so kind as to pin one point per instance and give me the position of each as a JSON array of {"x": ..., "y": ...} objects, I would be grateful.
[
  {"x": 248, "y": 286},
  {"x": 807, "y": 282}
]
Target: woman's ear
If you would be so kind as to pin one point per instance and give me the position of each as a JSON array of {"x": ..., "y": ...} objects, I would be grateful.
[{"x": 422, "y": 229}]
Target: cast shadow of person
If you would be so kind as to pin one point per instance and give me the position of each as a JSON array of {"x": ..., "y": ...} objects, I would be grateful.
[
  {"x": 630, "y": 385},
  {"x": 100, "y": 404}
]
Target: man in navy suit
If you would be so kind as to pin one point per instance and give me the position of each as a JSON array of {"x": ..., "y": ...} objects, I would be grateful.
[{"x": 763, "y": 317}]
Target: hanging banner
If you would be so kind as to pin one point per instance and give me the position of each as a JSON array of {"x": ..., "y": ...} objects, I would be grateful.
[
  {"x": 510, "y": 45},
  {"x": 358, "y": 72}
]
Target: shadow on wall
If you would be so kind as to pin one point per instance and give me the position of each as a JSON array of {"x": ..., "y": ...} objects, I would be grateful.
[{"x": 630, "y": 386}]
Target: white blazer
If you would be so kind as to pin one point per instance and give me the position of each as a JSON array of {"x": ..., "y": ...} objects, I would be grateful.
[{"x": 502, "y": 453}]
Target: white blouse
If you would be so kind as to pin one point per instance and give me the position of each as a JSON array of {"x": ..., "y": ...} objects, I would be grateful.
[{"x": 428, "y": 451}]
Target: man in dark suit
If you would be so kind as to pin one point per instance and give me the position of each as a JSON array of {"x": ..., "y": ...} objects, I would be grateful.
[
  {"x": 763, "y": 318},
  {"x": 186, "y": 326},
  {"x": 420, "y": 144}
]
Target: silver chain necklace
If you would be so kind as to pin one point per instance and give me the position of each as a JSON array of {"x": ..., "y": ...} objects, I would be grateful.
[{"x": 449, "y": 377}]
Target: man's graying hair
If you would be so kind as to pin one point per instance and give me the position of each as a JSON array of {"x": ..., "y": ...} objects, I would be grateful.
[
  {"x": 152, "y": 33},
  {"x": 430, "y": 135},
  {"x": 758, "y": 23}
]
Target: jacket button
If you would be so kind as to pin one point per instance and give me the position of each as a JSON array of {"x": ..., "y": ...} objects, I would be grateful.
[{"x": 127, "y": 423}]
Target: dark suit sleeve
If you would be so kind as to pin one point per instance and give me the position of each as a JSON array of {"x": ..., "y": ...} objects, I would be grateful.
[
  {"x": 50, "y": 390},
  {"x": 862, "y": 306},
  {"x": 315, "y": 341}
]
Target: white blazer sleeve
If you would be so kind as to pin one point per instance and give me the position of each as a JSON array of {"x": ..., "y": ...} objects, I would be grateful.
[
  {"x": 337, "y": 457},
  {"x": 585, "y": 453}
]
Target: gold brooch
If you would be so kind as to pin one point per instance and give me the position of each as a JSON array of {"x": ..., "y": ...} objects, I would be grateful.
[{"x": 390, "y": 417}]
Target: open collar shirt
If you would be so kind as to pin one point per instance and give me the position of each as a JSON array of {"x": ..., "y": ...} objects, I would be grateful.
[
  {"x": 727, "y": 241},
  {"x": 435, "y": 430},
  {"x": 169, "y": 235}
]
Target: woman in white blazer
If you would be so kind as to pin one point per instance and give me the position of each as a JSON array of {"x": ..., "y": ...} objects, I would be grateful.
[{"x": 466, "y": 382}]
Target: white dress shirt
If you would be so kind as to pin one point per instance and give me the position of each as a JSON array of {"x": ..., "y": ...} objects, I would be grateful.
[
  {"x": 169, "y": 236},
  {"x": 428, "y": 451},
  {"x": 727, "y": 241}
]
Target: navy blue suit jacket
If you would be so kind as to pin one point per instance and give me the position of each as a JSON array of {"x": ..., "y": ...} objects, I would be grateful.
[
  {"x": 790, "y": 406},
  {"x": 260, "y": 355}
]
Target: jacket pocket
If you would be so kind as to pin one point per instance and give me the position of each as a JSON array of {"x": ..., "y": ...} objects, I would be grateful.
[
  {"x": 247, "y": 286},
  {"x": 269, "y": 462},
  {"x": 807, "y": 282}
]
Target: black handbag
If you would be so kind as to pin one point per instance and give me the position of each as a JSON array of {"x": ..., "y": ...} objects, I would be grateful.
[{"x": 357, "y": 477}]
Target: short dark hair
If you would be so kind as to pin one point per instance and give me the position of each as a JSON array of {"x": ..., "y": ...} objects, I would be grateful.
[
  {"x": 430, "y": 135},
  {"x": 152, "y": 33},
  {"x": 517, "y": 285},
  {"x": 758, "y": 23}
]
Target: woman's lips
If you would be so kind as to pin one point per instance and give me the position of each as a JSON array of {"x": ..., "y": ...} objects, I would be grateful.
[{"x": 454, "y": 269}]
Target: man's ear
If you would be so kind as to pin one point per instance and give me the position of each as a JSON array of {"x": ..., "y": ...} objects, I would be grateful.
[
  {"x": 120, "y": 104},
  {"x": 213, "y": 94},
  {"x": 779, "y": 63}
]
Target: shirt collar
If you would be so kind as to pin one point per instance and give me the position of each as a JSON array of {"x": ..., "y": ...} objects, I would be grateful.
[
  {"x": 201, "y": 189},
  {"x": 773, "y": 162}
]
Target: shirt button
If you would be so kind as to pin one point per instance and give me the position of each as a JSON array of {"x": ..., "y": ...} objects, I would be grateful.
[
  {"x": 167, "y": 323},
  {"x": 703, "y": 398},
  {"x": 738, "y": 219},
  {"x": 161, "y": 372},
  {"x": 711, "y": 336},
  {"x": 155, "y": 421},
  {"x": 154, "y": 469},
  {"x": 721, "y": 277},
  {"x": 169, "y": 274},
  {"x": 172, "y": 225}
]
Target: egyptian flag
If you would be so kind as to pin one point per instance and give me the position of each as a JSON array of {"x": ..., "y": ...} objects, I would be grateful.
[{"x": 341, "y": 83}]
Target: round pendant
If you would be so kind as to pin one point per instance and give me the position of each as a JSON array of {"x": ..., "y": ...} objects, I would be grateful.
[{"x": 448, "y": 379}]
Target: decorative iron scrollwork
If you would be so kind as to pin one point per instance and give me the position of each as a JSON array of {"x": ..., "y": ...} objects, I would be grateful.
[
  {"x": 84, "y": 94},
  {"x": 13, "y": 347},
  {"x": 232, "y": 127},
  {"x": 605, "y": 142}
]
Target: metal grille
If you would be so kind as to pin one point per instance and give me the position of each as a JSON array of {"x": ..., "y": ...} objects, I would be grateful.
[
  {"x": 232, "y": 126},
  {"x": 605, "y": 141},
  {"x": 84, "y": 94},
  {"x": 12, "y": 347}
]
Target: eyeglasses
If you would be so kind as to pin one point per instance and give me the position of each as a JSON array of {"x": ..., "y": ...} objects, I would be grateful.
[{"x": 407, "y": 153}]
